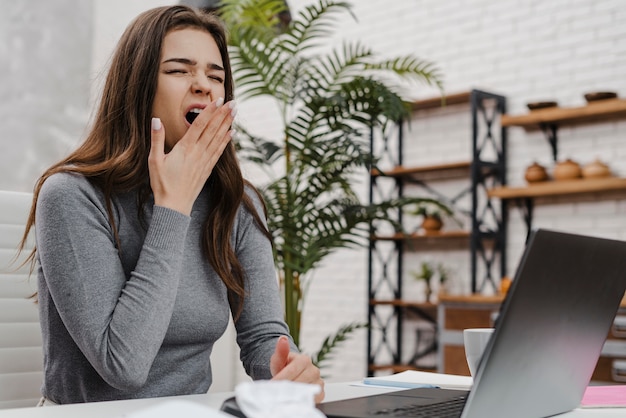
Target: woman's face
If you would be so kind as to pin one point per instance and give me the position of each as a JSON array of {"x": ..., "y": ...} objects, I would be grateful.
[{"x": 191, "y": 75}]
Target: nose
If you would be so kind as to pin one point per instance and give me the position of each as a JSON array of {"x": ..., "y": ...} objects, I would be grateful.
[{"x": 201, "y": 85}]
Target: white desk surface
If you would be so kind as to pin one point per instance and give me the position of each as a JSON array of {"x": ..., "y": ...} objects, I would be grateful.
[{"x": 334, "y": 391}]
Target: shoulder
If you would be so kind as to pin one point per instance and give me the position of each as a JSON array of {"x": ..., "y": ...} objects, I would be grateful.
[
  {"x": 255, "y": 198},
  {"x": 251, "y": 215},
  {"x": 66, "y": 183},
  {"x": 253, "y": 204},
  {"x": 63, "y": 190}
]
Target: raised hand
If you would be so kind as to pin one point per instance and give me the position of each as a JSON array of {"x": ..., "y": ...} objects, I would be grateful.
[
  {"x": 177, "y": 177},
  {"x": 285, "y": 365}
]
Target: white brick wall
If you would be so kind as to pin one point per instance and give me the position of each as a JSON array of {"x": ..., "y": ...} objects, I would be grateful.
[{"x": 524, "y": 50}]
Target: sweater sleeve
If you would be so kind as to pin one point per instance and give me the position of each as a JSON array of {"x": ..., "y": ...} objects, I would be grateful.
[
  {"x": 117, "y": 322},
  {"x": 262, "y": 320}
]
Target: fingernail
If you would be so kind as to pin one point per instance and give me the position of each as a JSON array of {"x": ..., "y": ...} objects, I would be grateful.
[
  {"x": 219, "y": 102},
  {"x": 233, "y": 105},
  {"x": 156, "y": 124},
  {"x": 233, "y": 132}
]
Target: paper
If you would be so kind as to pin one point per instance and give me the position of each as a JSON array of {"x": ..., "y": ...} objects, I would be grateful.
[
  {"x": 177, "y": 408},
  {"x": 277, "y": 399},
  {"x": 416, "y": 379},
  {"x": 604, "y": 397}
]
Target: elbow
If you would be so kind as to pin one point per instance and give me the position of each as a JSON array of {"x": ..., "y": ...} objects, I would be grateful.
[
  {"x": 127, "y": 382},
  {"x": 124, "y": 377}
]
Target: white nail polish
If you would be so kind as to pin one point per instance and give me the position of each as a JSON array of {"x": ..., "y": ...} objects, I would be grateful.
[
  {"x": 232, "y": 104},
  {"x": 233, "y": 132},
  {"x": 219, "y": 102},
  {"x": 156, "y": 124},
  {"x": 233, "y": 112}
]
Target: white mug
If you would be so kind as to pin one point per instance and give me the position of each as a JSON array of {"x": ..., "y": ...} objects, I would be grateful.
[{"x": 475, "y": 340}]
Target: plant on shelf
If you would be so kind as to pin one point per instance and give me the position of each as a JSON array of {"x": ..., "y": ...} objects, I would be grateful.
[
  {"x": 433, "y": 214},
  {"x": 328, "y": 101},
  {"x": 427, "y": 273}
]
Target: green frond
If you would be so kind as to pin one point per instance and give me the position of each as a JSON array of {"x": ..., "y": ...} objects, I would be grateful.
[
  {"x": 410, "y": 67},
  {"x": 263, "y": 152},
  {"x": 333, "y": 341},
  {"x": 314, "y": 23},
  {"x": 262, "y": 16},
  {"x": 258, "y": 69}
]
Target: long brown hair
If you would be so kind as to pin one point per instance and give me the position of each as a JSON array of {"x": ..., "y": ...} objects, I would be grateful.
[{"x": 114, "y": 156}]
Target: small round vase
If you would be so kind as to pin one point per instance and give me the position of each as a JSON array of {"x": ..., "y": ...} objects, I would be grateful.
[
  {"x": 431, "y": 224},
  {"x": 596, "y": 169},
  {"x": 567, "y": 170},
  {"x": 535, "y": 173}
]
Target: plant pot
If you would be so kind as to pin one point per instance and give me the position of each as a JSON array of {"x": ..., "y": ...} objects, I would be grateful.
[
  {"x": 567, "y": 170},
  {"x": 536, "y": 173},
  {"x": 432, "y": 224},
  {"x": 596, "y": 169}
]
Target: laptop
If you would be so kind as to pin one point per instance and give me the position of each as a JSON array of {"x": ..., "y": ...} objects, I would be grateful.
[{"x": 546, "y": 342}]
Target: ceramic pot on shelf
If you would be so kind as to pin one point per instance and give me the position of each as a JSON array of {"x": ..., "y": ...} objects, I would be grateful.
[
  {"x": 596, "y": 169},
  {"x": 535, "y": 173},
  {"x": 567, "y": 170},
  {"x": 431, "y": 224}
]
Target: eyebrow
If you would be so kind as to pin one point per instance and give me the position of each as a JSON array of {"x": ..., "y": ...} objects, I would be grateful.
[{"x": 188, "y": 61}]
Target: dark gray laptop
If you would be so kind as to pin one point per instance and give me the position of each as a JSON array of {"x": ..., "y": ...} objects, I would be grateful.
[{"x": 548, "y": 338}]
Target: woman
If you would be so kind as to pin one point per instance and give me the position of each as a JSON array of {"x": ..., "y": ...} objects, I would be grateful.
[{"x": 148, "y": 236}]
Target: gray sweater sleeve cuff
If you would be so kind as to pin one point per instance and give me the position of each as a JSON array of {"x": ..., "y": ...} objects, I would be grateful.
[{"x": 171, "y": 230}]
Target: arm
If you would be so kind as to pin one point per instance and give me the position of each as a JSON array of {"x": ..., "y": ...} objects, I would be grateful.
[
  {"x": 261, "y": 322},
  {"x": 267, "y": 350},
  {"x": 118, "y": 322}
]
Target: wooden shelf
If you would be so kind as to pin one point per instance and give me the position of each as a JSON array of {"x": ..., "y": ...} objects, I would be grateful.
[
  {"x": 594, "y": 111},
  {"x": 404, "y": 303},
  {"x": 473, "y": 298},
  {"x": 435, "y": 102},
  {"x": 560, "y": 188},
  {"x": 447, "y": 170},
  {"x": 441, "y": 235}
]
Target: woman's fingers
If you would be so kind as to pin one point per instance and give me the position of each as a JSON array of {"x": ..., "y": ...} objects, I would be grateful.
[
  {"x": 157, "y": 145},
  {"x": 178, "y": 176},
  {"x": 206, "y": 122},
  {"x": 217, "y": 129},
  {"x": 157, "y": 137},
  {"x": 299, "y": 368},
  {"x": 280, "y": 358}
]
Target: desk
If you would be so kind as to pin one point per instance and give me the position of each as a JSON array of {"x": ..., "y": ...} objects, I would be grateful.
[{"x": 334, "y": 391}]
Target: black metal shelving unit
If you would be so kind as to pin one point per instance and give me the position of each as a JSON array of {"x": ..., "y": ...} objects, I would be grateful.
[{"x": 487, "y": 237}]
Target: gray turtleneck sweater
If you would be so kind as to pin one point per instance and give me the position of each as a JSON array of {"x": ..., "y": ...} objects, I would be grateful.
[{"x": 141, "y": 321}]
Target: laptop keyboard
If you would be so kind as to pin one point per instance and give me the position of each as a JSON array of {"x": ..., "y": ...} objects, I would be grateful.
[{"x": 450, "y": 408}]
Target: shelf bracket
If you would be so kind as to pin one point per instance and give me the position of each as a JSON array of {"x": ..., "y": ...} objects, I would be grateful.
[
  {"x": 550, "y": 131},
  {"x": 526, "y": 207}
]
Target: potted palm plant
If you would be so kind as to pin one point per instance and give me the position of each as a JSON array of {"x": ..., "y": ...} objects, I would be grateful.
[
  {"x": 329, "y": 101},
  {"x": 427, "y": 272}
]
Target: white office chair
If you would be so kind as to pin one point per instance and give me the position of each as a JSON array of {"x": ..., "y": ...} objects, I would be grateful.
[{"x": 21, "y": 358}]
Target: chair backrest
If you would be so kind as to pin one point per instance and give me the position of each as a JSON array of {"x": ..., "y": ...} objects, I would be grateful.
[{"x": 21, "y": 358}]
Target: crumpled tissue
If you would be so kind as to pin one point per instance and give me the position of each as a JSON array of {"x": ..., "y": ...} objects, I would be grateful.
[{"x": 277, "y": 399}]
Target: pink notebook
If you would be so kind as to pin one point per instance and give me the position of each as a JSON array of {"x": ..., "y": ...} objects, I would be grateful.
[{"x": 604, "y": 397}]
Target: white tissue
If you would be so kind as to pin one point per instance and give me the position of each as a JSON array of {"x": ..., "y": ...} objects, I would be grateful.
[{"x": 277, "y": 399}]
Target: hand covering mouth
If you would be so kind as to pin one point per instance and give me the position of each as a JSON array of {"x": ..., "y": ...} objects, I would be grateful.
[{"x": 192, "y": 114}]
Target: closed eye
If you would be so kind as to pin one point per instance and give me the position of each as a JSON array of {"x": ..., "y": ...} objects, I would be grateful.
[
  {"x": 175, "y": 71},
  {"x": 216, "y": 78}
]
